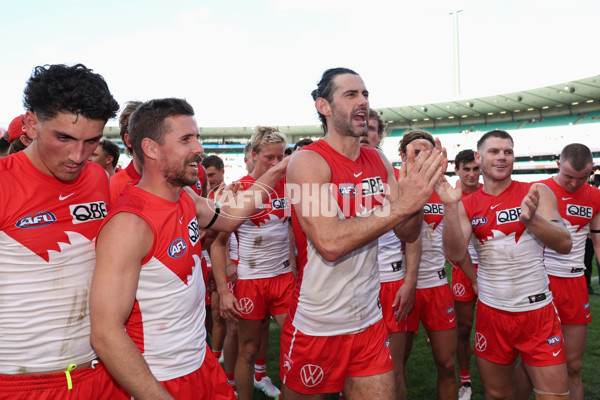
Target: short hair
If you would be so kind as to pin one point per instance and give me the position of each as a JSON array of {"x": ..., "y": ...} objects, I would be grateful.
[
  {"x": 213, "y": 161},
  {"x": 78, "y": 90},
  {"x": 248, "y": 149},
  {"x": 381, "y": 125},
  {"x": 266, "y": 135},
  {"x": 129, "y": 108},
  {"x": 148, "y": 121},
  {"x": 464, "y": 157},
  {"x": 302, "y": 143},
  {"x": 112, "y": 149},
  {"x": 414, "y": 135},
  {"x": 578, "y": 155},
  {"x": 498, "y": 133},
  {"x": 326, "y": 87}
]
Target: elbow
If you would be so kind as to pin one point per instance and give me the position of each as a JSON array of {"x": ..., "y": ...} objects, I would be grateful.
[
  {"x": 565, "y": 246},
  {"x": 330, "y": 251},
  {"x": 409, "y": 237}
]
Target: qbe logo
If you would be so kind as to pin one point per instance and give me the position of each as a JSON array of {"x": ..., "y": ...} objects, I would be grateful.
[
  {"x": 280, "y": 204},
  {"x": 311, "y": 375},
  {"x": 372, "y": 186},
  {"x": 87, "y": 212},
  {"x": 36, "y": 220},
  {"x": 433, "y": 209},
  {"x": 508, "y": 216},
  {"x": 480, "y": 342},
  {"x": 574, "y": 210},
  {"x": 347, "y": 190},
  {"x": 194, "y": 231},
  {"x": 177, "y": 248}
]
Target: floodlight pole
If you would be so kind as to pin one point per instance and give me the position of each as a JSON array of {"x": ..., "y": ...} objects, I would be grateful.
[{"x": 456, "y": 53}]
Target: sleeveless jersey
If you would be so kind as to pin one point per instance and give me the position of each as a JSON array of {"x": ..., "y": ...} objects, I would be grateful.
[
  {"x": 341, "y": 297},
  {"x": 511, "y": 274},
  {"x": 263, "y": 239},
  {"x": 118, "y": 182},
  {"x": 390, "y": 251},
  {"x": 577, "y": 210},
  {"x": 471, "y": 248},
  {"x": 167, "y": 320},
  {"x": 47, "y": 237},
  {"x": 432, "y": 270}
]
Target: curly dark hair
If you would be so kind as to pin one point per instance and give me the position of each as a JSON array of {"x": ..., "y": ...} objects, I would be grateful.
[{"x": 52, "y": 89}]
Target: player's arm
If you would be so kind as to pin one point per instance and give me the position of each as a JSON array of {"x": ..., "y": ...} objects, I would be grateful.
[
  {"x": 292, "y": 242},
  {"x": 539, "y": 213},
  {"x": 408, "y": 230},
  {"x": 229, "y": 306},
  {"x": 238, "y": 206},
  {"x": 595, "y": 234},
  {"x": 308, "y": 179},
  {"x": 112, "y": 295},
  {"x": 405, "y": 296},
  {"x": 457, "y": 227}
]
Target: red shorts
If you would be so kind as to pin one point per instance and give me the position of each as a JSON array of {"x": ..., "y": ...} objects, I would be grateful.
[
  {"x": 267, "y": 296},
  {"x": 206, "y": 383},
  {"x": 500, "y": 336},
  {"x": 88, "y": 383},
  {"x": 571, "y": 300},
  {"x": 387, "y": 293},
  {"x": 320, "y": 364},
  {"x": 434, "y": 308},
  {"x": 462, "y": 289}
]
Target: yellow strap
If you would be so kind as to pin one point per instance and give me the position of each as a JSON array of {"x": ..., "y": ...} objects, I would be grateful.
[{"x": 68, "y": 374}]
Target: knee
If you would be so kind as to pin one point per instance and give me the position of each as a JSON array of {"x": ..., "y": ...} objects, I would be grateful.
[
  {"x": 574, "y": 367},
  {"x": 464, "y": 331},
  {"x": 446, "y": 367},
  {"x": 248, "y": 351}
]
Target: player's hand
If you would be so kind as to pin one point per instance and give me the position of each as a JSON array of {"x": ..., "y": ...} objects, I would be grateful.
[
  {"x": 231, "y": 272},
  {"x": 229, "y": 306},
  {"x": 403, "y": 302},
  {"x": 448, "y": 195},
  {"x": 530, "y": 204},
  {"x": 419, "y": 175}
]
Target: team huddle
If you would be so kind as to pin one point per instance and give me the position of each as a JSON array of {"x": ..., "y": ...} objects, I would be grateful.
[{"x": 103, "y": 281}]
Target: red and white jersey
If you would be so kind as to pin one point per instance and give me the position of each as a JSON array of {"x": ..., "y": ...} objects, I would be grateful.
[
  {"x": 123, "y": 178},
  {"x": 341, "y": 297},
  {"x": 263, "y": 239},
  {"x": 390, "y": 252},
  {"x": 47, "y": 236},
  {"x": 432, "y": 269},
  {"x": 511, "y": 274},
  {"x": 577, "y": 210},
  {"x": 167, "y": 319}
]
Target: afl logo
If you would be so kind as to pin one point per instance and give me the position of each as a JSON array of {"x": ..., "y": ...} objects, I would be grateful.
[
  {"x": 553, "y": 341},
  {"x": 36, "y": 220},
  {"x": 476, "y": 222},
  {"x": 480, "y": 342},
  {"x": 311, "y": 375},
  {"x": 347, "y": 190},
  {"x": 177, "y": 248}
]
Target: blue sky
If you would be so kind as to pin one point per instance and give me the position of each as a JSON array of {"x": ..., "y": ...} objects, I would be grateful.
[{"x": 243, "y": 63}]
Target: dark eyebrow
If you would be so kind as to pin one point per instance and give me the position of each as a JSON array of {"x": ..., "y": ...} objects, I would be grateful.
[{"x": 351, "y": 91}]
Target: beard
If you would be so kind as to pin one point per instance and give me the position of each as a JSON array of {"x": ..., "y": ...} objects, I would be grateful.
[
  {"x": 177, "y": 175},
  {"x": 343, "y": 124}
]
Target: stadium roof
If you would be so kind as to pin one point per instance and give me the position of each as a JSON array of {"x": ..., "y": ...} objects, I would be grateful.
[{"x": 568, "y": 98}]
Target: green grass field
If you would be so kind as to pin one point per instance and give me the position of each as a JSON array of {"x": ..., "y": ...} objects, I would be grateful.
[{"x": 421, "y": 369}]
